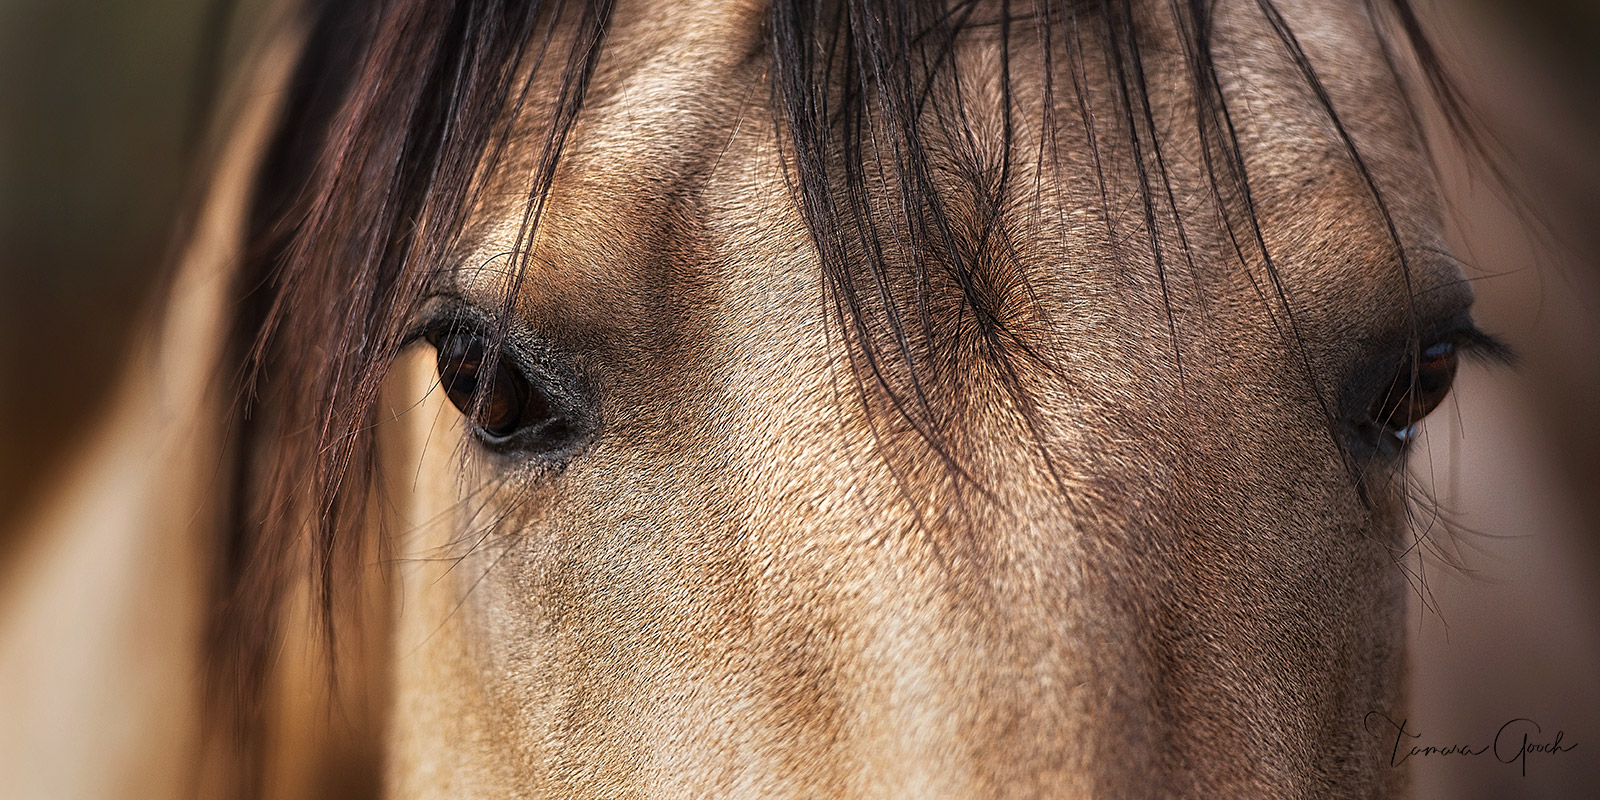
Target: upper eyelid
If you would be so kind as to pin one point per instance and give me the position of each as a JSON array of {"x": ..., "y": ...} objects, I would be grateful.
[
  {"x": 446, "y": 311},
  {"x": 1474, "y": 342},
  {"x": 433, "y": 309}
]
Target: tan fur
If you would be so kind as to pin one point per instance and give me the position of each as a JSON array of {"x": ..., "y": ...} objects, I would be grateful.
[
  {"x": 756, "y": 584},
  {"x": 730, "y": 593}
]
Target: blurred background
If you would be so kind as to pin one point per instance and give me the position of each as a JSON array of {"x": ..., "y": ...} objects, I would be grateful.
[{"x": 103, "y": 107}]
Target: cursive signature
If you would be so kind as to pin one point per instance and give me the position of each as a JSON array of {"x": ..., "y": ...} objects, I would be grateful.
[{"x": 1511, "y": 744}]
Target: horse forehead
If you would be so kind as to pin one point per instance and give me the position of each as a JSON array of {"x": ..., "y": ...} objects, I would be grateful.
[
  {"x": 674, "y": 82},
  {"x": 665, "y": 54},
  {"x": 679, "y": 80}
]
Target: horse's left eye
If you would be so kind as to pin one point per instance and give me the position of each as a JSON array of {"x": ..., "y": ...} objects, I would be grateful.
[
  {"x": 1416, "y": 391},
  {"x": 499, "y": 405}
]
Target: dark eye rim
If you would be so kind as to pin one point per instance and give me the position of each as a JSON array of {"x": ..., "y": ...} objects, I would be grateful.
[
  {"x": 571, "y": 420},
  {"x": 524, "y": 405},
  {"x": 1457, "y": 338}
]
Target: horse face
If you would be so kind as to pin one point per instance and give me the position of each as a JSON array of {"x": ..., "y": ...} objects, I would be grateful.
[{"x": 1145, "y": 543}]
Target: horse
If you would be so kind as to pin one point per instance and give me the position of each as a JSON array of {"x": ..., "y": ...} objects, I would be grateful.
[{"x": 842, "y": 398}]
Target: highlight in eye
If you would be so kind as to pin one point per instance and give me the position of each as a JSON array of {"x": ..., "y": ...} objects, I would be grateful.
[
  {"x": 1426, "y": 379},
  {"x": 499, "y": 405},
  {"x": 1417, "y": 391}
]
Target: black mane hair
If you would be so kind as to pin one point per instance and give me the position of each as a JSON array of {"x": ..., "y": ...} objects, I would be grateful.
[{"x": 399, "y": 105}]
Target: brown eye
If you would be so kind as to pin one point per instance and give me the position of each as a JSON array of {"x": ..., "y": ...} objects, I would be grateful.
[
  {"x": 499, "y": 405},
  {"x": 1417, "y": 391}
]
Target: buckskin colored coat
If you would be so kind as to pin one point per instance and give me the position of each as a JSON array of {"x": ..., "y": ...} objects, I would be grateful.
[{"x": 756, "y": 579}]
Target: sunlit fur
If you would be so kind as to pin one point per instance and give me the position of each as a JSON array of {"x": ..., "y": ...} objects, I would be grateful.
[{"x": 1058, "y": 492}]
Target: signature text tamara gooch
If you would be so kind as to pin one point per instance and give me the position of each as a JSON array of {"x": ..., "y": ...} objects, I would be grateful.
[{"x": 1512, "y": 744}]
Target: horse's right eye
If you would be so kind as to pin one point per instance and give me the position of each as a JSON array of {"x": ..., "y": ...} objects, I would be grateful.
[
  {"x": 499, "y": 405},
  {"x": 1417, "y": 391}
]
